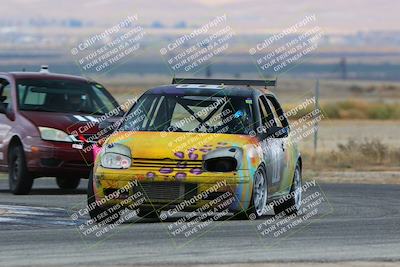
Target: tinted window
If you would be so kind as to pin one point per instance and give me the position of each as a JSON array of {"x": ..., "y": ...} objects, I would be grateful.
[
  {"x": 190, "y": 114},
  {"x": 100, "y": 92},
  {"x": 277, "y": 111},
  {"x": 267, "y": 117},
  {"x": 63, "y": 96},
  {"x": 277, "y": 122}
]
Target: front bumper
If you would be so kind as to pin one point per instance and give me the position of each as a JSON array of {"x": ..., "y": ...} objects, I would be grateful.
[
  {"x": 48, "y": 158},
  {"x": 165, "y": 191}
]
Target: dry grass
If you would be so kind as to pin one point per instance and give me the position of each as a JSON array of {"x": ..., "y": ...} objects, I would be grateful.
[
  {"x": 355, "y": 154},
  {"x": 353, "y": 109},
  {"x": 358, "y": 109}
]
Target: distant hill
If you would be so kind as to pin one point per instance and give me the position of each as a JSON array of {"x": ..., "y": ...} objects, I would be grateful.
[{"x": 247, "y": 16}]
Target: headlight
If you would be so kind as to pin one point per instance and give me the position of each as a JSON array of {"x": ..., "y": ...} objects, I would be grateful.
[
  {"x": 116, "y": 156},
  {"x": 225, "y": 164},
  {"x": 115, "y": 161},
  {"x": 226, "y": 159},
  {"x": 52, "y": 134}
]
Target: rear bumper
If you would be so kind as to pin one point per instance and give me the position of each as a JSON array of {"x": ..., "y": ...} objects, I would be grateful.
[
  {"x": 47, "y": 158},
  {"x": 166, "y": 191}
]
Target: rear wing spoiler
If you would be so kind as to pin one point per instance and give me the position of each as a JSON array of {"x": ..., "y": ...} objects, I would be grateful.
[{"x": 224, "y": 82}]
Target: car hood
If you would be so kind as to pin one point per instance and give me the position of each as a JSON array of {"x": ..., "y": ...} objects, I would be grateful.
[
  {"x": 67, "y": 122},
  {"x": 177, "y": 145}
]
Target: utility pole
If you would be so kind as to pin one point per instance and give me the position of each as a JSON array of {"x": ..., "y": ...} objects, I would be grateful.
[
  {"x": 343, "y": 68},
  {"x": 316, "y": 106},
  {"x": 208, "y": 71}
]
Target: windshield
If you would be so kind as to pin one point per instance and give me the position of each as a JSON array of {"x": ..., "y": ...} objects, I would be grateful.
[
  {"x": 205, "y": 114},
  {"x": 64, "y": 96}
]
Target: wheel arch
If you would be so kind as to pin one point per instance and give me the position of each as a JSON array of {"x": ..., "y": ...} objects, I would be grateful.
[
  {"x": 267, "y": 176},
  {"x": 300, "y": 161},
  {"x": 15, "y": 140},
  {"x": 264, "y": 168}
]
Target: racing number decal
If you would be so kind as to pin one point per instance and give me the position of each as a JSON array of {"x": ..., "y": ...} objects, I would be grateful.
[
  {"x": 272, "y": 157},
  {"x": 275, "y": 158}
]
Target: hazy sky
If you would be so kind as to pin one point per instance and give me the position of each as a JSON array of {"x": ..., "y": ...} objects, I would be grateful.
[{"x": 332, "y": 16}]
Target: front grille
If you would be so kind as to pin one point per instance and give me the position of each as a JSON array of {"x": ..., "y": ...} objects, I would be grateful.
[
  {"x": 50, "y": 162},
  {"x": 119, "y": 193},
  {"x": 166, "y": 191},
  {"x": 167, "y": 163}
]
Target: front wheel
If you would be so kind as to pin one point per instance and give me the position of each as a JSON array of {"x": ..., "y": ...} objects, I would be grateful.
[
  {"x": 96, "y": 212},
  {"x": 19, "y": 178},
  {"x": 65, "y": 182},
  {"x": 258, "y": 198}
]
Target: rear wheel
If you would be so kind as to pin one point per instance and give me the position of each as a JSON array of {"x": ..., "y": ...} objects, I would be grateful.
[
  {"x": 97, "y": 212},
  {"x": 19, "y": 178},
  {"x": 293, "y": 201},
  {"x": 65, "y": 182}
]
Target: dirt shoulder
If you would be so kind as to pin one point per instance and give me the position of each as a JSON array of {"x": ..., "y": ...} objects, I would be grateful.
[
  {"x": 288, "y": 264},
  {"x": 354, "y": 177}
]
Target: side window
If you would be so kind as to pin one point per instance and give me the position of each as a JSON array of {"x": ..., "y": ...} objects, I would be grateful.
[
  {"x": 275, "y": 114},
  {"x": 5, "y": 93},
  {"x": 267, "y": 117},
  {"x": 279, "y": 115}
]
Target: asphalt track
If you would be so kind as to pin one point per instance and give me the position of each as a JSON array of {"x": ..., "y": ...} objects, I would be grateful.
[{"x": 353, "y": 223}]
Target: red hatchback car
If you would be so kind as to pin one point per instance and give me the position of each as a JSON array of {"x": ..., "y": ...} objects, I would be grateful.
[{"x": 43, "y": 119}]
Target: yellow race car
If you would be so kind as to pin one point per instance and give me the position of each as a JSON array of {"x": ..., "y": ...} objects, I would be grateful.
[{"x": 196, "y": 145}]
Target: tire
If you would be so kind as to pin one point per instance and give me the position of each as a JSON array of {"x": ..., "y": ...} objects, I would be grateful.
[
  {"x": 65, "y": 182},
  {"x": 96, "y": 212},
  {"x": 293, "y": 200},
  {"x": 258, "y": 199},
  {"x": 19, "y": 178}
]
